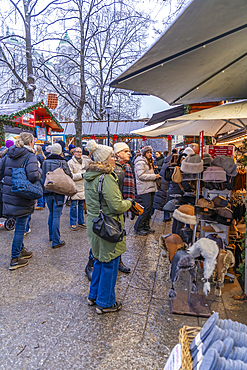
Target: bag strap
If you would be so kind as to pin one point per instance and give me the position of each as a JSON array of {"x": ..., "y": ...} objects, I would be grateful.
[
  {"x": 100, "y": 186},
  {"x": 25, "y": 163}
]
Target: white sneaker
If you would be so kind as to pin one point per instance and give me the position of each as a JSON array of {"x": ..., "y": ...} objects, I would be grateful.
[{"x": 28, "y": 232}]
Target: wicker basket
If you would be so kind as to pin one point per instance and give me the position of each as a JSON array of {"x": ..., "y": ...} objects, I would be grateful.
[{"x": 186, "y": 336}]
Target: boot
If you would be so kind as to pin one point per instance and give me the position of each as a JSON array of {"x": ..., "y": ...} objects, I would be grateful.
[
  {"x": 89, "y": 269},
  {"x": 123, "y": 268}
]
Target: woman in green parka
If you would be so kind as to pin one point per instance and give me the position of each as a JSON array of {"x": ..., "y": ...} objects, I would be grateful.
[{"x": 106, "y": 254}]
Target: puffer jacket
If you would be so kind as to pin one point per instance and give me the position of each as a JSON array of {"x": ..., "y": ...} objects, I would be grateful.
[
  {"x": 145, "y": 177},
  {"x": 159, "y": 162},
  {"x": 112, "y": 204},
  {"x": 51, "y": 163},
  {"x": 13, "y": 204},
  {"x": 78, "y": 169},
  {"x": 160, "y": 196}
]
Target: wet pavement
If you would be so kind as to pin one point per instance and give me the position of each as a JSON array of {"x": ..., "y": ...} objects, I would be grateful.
[{"x": 45, "y": 320}]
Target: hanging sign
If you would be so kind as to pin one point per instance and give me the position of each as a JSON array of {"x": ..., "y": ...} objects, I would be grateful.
[
  {"x": 52, "y": 101},
  {"x": 41, "y": 133},
  {"x": 174, "y": 361},
  {"x": 28, "y": 119},
  {"x": 215, "y": 150}
]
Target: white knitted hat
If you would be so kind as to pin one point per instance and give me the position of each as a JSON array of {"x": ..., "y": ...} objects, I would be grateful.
[
  {"x": 118, "y": 147},
  {"x": 56, "y": 149},
  {"x": 188, "y": 151},
  {"x": 100, "y": 152}
]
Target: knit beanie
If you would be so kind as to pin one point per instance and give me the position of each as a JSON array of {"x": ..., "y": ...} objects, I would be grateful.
[
  {"x": 146, "y": 149},
  {"x": 62, "y": 143},
  {"x": 71, "y": 146},
  {"x": 192, "y": 164},
  {"x": 100, "y": 152},
  {"x": 9, "y": 143},
  {"x": 56, "y": 149},
  {"x": 118, "y": 147},
  {"x": 188, "y": 151}
]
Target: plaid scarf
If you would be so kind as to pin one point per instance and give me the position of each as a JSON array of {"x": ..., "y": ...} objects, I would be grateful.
[{"x": 129, "y": 185}]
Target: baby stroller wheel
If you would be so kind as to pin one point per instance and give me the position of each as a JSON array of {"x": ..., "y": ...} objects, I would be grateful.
[{"x": 9, "y": 224}]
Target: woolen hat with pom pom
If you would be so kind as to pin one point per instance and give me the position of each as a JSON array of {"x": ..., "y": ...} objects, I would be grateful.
[{"x": 100, "y": 152}]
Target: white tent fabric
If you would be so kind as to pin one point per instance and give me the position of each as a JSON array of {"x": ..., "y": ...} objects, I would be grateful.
[
  {"x": 212, "y": 121},
  {"x": 201, "y": 57}
]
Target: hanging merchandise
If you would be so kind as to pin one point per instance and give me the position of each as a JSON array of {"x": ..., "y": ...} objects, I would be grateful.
[
  {"x": 169, "y": 244},
  {"x": 225, "y": 260},
  {"x": 192, "y": 164},
  {"x": 205, "y": 208},
  {"x": 214, "y": 174},
  {"x": 185, "y": 214}
]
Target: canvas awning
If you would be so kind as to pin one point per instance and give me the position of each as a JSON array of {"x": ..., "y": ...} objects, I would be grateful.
[
  {"x": 213, "y": 121},
  {"x": 201, "y": 57}
]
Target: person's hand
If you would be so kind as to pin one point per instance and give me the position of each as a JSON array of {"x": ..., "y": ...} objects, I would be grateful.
[
  {"x": 158, "y": 176},
  {"x": 131, "y": 200}
]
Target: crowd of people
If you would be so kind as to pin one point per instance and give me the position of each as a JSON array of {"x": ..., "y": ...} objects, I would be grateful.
[{"x": 126, "y": 180}]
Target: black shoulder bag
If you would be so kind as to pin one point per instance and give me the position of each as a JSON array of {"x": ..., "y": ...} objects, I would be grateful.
[{"x": 105, "y": 226}]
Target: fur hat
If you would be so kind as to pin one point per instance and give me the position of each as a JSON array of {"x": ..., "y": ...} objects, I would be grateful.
[
  {"x": 205, "y": 208},
  {"x": 56, "y": 149},
  {"x": 185, "y": 214},
  {"x": 100, "y": 152},
  {"x": 227, "y": 163},
  {"x": 192, "y": 164},
  {"x": 188, "y": 151},
  {"x": 214, "y": 174},
  {"x": 146, "y": 149},
  {"x": 182, "y": 261},
  {"x": 209, "y": 250},
  {"x": 207, "y": 159},
  {"x": 118, "y": 147}
]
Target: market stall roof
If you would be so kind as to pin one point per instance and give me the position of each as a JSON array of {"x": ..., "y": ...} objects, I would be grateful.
[
  {"x": 166, "y": 114},
  {"x": 99, "y": 128},
  {"x": 43, "y": 114},
  {"x": 201, "y": 56},
  {"x": 213, "y": 121}
]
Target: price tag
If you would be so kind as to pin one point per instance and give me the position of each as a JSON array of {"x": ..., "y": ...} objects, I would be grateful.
[{"x": 174, "y": 361}]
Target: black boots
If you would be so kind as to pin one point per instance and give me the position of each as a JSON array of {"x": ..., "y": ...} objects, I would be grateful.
[{"x": 89, "y": 269}]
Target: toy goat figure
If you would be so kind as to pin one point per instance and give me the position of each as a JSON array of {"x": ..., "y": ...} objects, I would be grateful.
[{"x": 225, "y": 260}]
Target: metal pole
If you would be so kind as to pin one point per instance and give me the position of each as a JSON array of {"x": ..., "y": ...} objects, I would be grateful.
[{"x": 108, "y": 129}]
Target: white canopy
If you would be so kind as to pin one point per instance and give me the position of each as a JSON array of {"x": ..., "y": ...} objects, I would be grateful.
[
  {"x": 201, "y": 57},
  {"x": 213, "y": 121}
]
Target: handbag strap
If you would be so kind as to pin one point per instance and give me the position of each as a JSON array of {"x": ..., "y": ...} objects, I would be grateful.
[
  {"x": 100, "y": 186},
  {"x": 25, "y": 163}
]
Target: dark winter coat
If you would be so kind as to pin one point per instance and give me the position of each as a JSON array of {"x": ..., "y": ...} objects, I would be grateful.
[
  {"x": 41, "y": 159},
  {"x": 160, "y": 196},
  {"x": 13, "y": 204},
  {"x": 159, "y": 163},
  {"x": 120, "y": 172},
  {"x": 51, "y": 164}
]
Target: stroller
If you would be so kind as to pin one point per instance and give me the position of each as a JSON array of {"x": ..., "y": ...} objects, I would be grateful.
[{"x": 10, "y": 223}]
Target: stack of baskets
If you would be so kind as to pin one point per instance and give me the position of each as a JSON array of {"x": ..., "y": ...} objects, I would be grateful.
[{"x": 186, "y": 336}]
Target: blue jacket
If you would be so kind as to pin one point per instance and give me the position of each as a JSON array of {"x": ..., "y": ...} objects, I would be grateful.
[{"x": 13, "y": 204}]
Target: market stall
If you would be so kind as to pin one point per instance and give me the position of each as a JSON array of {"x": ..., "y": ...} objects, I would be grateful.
[{"x": 32, "y": 116}]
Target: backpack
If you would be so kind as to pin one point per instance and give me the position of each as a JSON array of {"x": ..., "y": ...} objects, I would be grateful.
[{"x": 58, "y": 182}]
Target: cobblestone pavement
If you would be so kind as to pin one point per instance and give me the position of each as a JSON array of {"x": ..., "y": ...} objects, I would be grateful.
[{"x": 45, "y": 320}]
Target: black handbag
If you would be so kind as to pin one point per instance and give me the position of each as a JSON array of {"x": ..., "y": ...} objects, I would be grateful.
[{"x": 105, "y": 226}]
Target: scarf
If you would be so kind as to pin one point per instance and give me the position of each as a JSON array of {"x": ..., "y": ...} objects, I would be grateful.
[
  {"x": 79, "y": 160},
  {"x": 29, "y": 148},
  {"x": 129, "y": 185}
]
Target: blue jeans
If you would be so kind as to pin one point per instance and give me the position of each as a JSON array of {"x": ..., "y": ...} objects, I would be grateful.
[
  {"x": 103, "y": 282},
  {"x": 55, "y": 211},
  {"x": 20, "y": 229},
  {"x": 74, "y": 216},
  {"x": 28, "y": 225},
  {"x": 41, "y": 202}
]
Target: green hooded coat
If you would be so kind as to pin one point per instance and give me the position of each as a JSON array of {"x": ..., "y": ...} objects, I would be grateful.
[{"x": 112, "y": 205}]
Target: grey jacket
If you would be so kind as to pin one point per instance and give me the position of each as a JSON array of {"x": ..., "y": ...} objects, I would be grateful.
[{"x": 145, "y": 177}]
